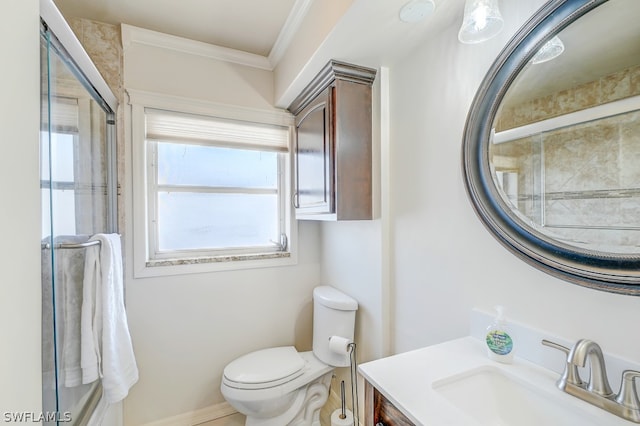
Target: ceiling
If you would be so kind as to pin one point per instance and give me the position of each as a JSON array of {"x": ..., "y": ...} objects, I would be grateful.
[
  {"x": 376, "y": 36},
  {"x": 367, "y": 32},
  {"x": 248, "y": 25}
]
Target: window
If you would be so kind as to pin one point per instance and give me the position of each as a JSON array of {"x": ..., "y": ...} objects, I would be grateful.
[
  {"x": 59, "y": 191},
  {"x": 74, "y": 158},
  {"x": 216, "y": 190},
  {"x": 58, "y": 144},
  {"x": 214, "y": 198}
]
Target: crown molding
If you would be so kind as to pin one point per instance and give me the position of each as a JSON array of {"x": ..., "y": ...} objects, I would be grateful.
[
  {"x": 333, "y": 70},
  {"x": 288, "y": 31},
  {"x": 131, "y": 34}
]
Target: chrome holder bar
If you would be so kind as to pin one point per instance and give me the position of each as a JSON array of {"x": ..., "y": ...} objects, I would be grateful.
[{"x": 65, "y": 246}]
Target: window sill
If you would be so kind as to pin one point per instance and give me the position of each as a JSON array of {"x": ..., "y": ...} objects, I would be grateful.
[{"x": 198, "y": 265}]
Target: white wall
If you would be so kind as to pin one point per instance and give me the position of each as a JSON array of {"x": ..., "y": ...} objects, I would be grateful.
[
  {"x": 185, "y": 329},
  {"x": 295, "y": 68},
  {"x": 353, "y": 251},
  {"x": 20, "y": 308},
  {"x": 445, "y": 261},
  {"x": 172, "y": 72}
]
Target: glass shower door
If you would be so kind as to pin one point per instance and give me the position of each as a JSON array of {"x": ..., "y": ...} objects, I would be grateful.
[{"x": 78, "y": 201}]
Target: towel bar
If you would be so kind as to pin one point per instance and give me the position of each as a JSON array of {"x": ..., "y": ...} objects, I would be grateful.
[{"x": 70, "y": 245}]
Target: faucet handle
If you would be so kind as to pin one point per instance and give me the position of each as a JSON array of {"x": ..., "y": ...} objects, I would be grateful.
[
  {"x": 628, "y": 396},
  {"x": 570, "y": 374}
]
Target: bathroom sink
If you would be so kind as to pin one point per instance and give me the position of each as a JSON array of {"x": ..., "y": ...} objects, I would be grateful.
[
  {"x": 491, "y": 397},
  {"x": 454, "y": 383}
]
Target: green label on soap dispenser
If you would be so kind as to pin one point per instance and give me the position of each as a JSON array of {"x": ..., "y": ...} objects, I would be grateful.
[{"x": 499, "y": 342}]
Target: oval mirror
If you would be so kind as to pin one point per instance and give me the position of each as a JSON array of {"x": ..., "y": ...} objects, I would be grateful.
[{"x": 551, "y": 150}]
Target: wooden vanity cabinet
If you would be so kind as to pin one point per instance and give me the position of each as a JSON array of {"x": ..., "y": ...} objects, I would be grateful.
[
  {"x": 332, "y": 155},
  {"x": 379, "y": 411}
]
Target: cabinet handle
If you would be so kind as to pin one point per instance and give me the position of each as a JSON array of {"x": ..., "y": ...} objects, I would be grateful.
[{"x": 296, "y": 204}]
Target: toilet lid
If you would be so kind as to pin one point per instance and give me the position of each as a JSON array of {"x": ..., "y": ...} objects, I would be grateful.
[{"x": 265, "y": 366}]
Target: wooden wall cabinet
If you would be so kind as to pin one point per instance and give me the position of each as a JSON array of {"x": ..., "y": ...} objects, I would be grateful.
[
  {"x": 332, "y": 153},
  {"x": 379, "y": 411}
]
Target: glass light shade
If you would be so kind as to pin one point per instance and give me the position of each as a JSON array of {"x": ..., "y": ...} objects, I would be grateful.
[
  {"x": 482, "y": 20},
  {"x": 551, "y": 49}
]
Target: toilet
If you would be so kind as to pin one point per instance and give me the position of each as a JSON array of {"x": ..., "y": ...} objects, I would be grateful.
[{"x": 281, "y": 386}]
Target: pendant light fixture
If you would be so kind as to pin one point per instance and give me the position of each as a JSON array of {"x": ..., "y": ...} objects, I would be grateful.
[
  {"x": 482, "y": 20},
  {"x": 550, "y": 50}
]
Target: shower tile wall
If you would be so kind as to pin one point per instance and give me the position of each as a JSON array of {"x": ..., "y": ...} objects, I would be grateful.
[
  {"x": 103, "y": 44},
  {"x": 585, "y": 181},
  {"x": 620, "y": 85}
]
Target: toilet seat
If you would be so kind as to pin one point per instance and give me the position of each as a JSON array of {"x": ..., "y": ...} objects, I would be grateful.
[{"x": 265, "y": 368}]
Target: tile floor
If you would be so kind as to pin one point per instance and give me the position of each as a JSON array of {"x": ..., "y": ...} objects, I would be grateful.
[
  {"x": 238, "y": 419},
  {"x": 232, "y": 420}
]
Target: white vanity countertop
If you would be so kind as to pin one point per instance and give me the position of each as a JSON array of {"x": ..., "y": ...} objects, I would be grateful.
[{"x": 407, "y": 381}]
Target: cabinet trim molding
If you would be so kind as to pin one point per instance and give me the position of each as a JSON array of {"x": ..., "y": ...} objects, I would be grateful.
[{"x": 333, "y": 70}]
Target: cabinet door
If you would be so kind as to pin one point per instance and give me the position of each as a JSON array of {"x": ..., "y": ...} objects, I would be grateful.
[
  {"x": 379, "y": 411},
  {"x": 313, "y": 157}
]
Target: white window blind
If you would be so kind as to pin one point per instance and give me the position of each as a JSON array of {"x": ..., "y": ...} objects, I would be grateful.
[
  {"x": 178, "y": 127},
  {"x": 64, "y": 115}
]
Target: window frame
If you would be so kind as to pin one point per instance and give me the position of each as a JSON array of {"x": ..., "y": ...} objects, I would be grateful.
[
  {"x": 154, "y": 188},
  {"x": 198, "y": 261}
]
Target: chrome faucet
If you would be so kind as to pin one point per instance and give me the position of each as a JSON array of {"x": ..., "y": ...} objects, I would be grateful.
[
  {"x": 597, "y": 391},
  {"x": 578, "y": 355}
]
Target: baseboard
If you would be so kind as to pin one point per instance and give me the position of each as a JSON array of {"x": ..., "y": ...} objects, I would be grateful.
[{"x": 193, "y": 418}]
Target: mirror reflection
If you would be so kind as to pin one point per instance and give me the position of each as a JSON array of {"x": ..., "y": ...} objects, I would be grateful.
[{"x": 565, "y": 155}]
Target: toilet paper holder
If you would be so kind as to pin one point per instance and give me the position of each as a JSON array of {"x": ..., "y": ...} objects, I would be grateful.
[
  {"x": 342, "y": 416},
  {"x": 339, "y": 345}
]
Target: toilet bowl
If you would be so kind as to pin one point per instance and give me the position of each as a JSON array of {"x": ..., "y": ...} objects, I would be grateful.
[
  {"x": 281, "y": 386},
  {"x": 276, "y": 398}
]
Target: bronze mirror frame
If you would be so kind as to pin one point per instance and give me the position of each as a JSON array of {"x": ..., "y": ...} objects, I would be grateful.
[{"x": 612, "y": 272}]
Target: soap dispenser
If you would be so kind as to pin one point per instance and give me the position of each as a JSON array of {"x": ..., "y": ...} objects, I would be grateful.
[{"x": 499, "y": 339}]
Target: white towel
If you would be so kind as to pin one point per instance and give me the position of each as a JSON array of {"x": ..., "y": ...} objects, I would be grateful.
[
  {"x": 91, "y": 317},
  {"x": 106, "y": 348},
  {"x": 48, "y": 347},
  {"x": 67, "y": 288},
  {"x": 70, "y": 266}
]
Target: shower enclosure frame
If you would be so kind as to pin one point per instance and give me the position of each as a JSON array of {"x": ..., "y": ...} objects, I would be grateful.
[{"x": 80, "y": 64}]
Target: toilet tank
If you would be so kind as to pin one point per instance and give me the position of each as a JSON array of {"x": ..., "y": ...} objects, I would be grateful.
[{"x": 334, "y": 315}]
